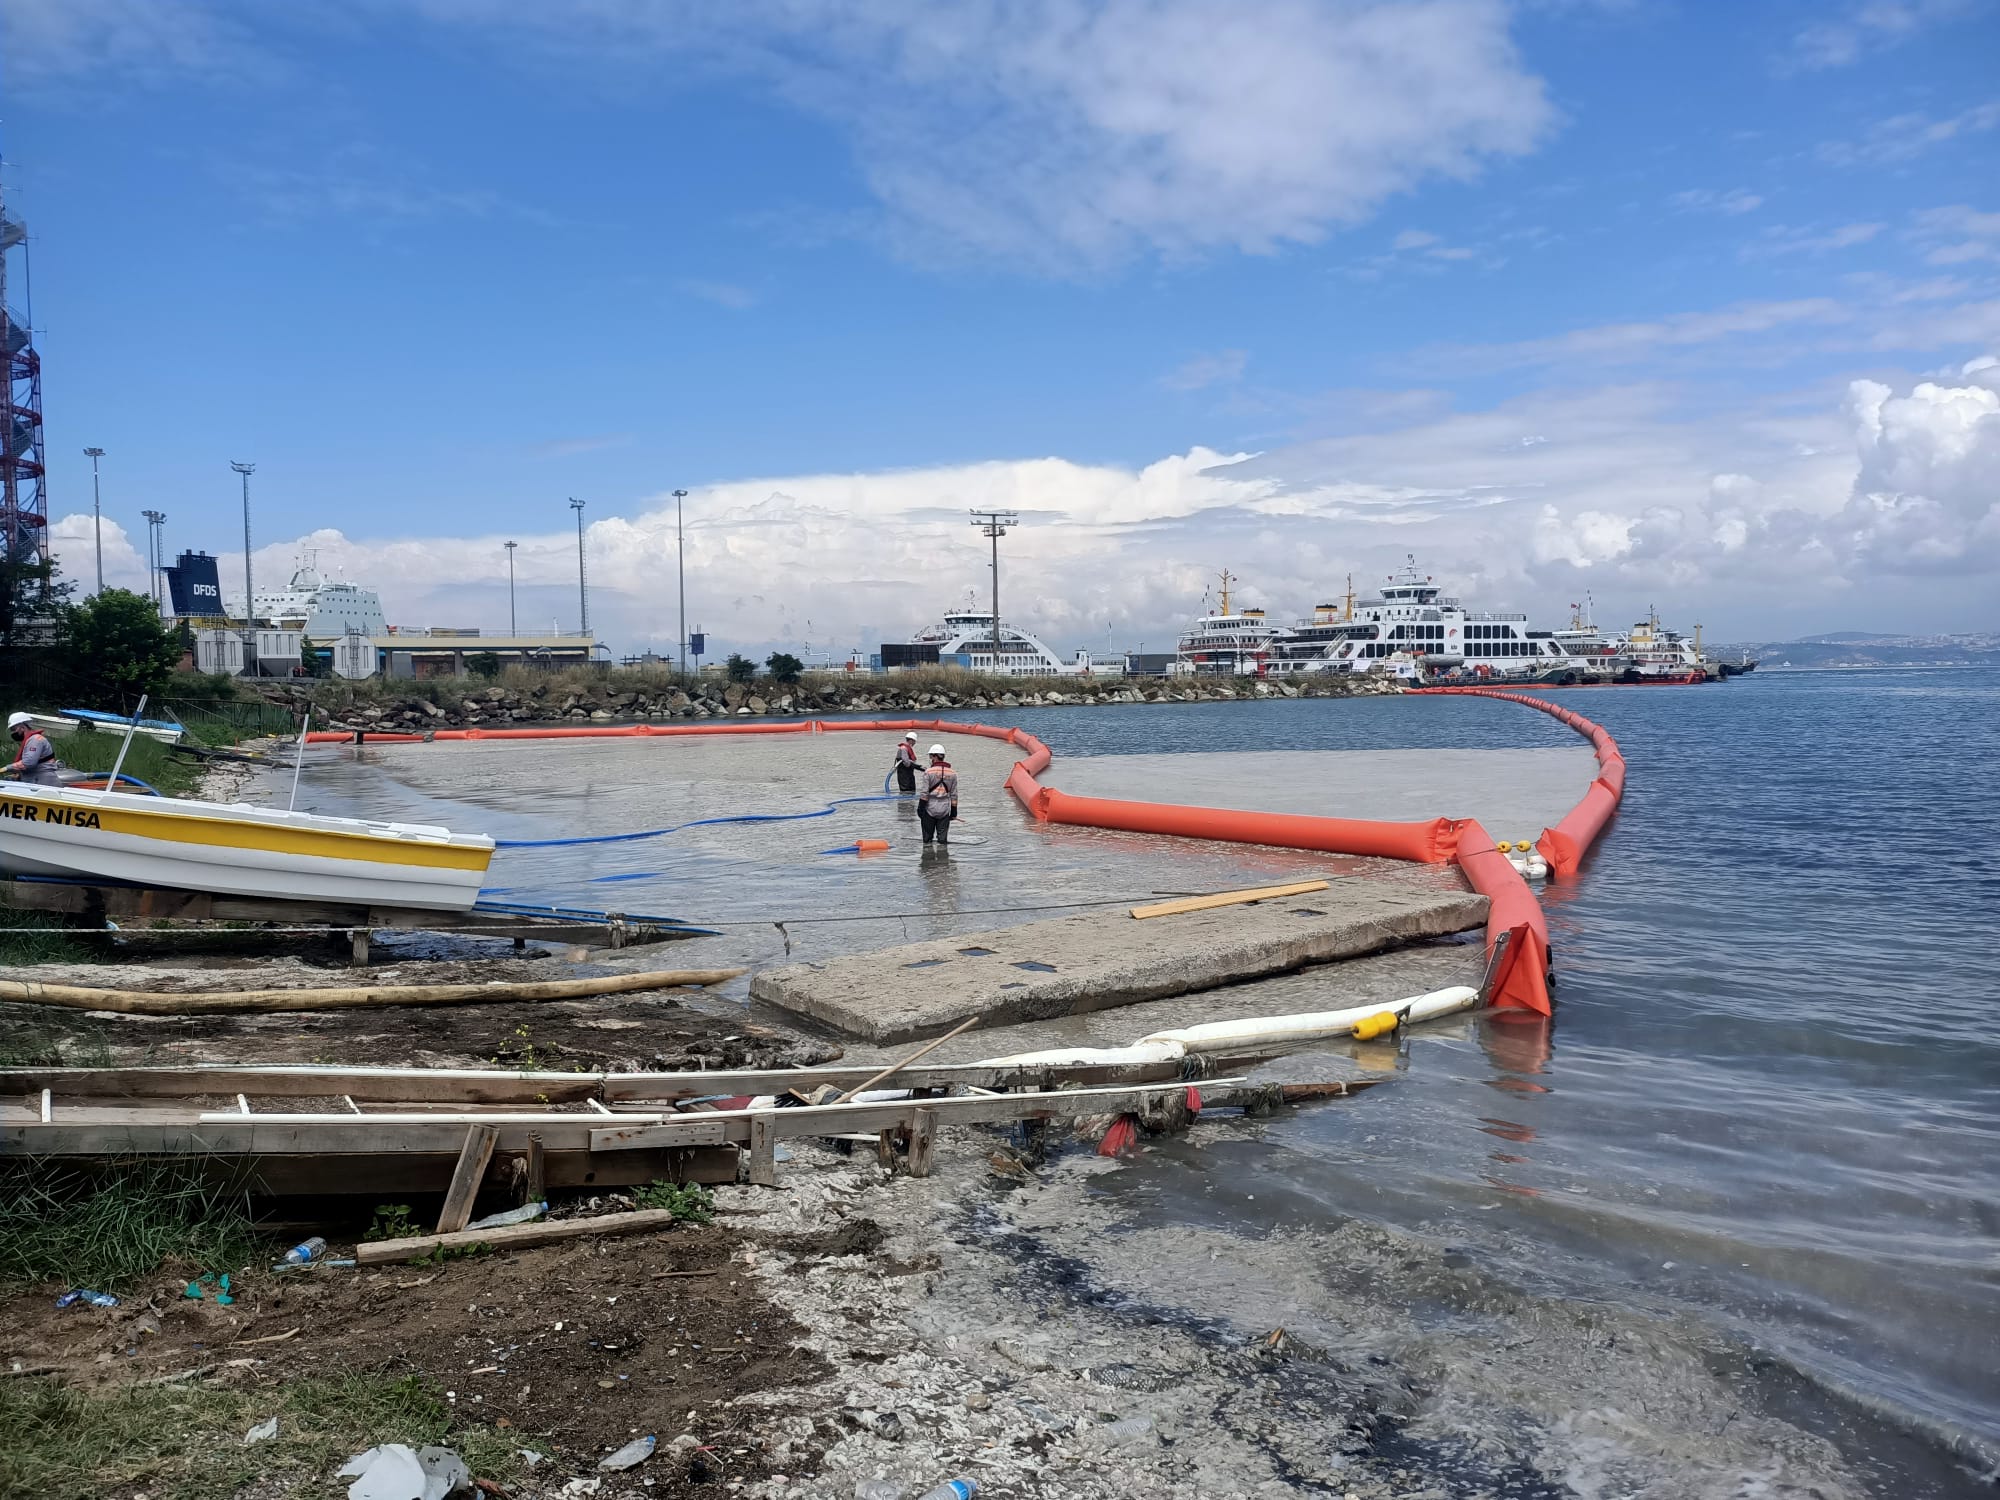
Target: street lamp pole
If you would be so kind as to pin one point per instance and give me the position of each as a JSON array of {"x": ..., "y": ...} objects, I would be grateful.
[
  {"x": 680, "y": 564},
  {"x": 995, "y": 524},
  {"x": 512, "y": 627},
  {"x": 249, "y": 596},
  {"x": 97, "y": 512},
  {"x": 155, "y": 519},
  {"x": 582, "y": 590}
]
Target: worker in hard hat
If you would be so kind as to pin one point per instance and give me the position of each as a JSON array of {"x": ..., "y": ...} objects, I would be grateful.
[
  {"x": 36, "y": 761},
  {"x": 906, "y": 764},
  {"x": 937, "y": 801}
]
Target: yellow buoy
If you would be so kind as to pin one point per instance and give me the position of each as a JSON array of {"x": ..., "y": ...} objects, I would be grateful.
[{"x": 1369, "y": 1027}]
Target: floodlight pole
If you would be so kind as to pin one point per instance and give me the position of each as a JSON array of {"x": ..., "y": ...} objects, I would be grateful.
[
  {"x": 97, "y": 511},
  {"x": 249, "y": 596},
  {"x": 995, "y": 523}
]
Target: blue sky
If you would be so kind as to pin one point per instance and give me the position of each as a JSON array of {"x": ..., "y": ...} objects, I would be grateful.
[{"x": 1670, "y": 302}]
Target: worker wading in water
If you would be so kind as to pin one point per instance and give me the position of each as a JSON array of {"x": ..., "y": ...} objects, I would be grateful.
[
  {"x": 937, "y": 803},
  {"x": 906, "y": 764},
  {"x": 36, "y": 761}
]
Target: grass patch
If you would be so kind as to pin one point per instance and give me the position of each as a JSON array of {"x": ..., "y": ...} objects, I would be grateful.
[
  {"x": 25, "y": 939},
  {"x": 106, "y": 1229},
  {"x": 689, "y": 1202},
  {"x": 43, "y": 1046},
  {"x": 186, "y": 1442},
  {"x": 148, "y": 759}
]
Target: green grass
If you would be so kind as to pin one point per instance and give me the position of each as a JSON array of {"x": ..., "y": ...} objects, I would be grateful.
[
  {"x": 149, "y": 760},
  {"x": 106, "y": 1229},
  {"x": 690, "y": 1202},
  {"x": 25, "y": 939},
  {"x": 186, "y": 1442},
  {"x": 38, "y": 1045}
]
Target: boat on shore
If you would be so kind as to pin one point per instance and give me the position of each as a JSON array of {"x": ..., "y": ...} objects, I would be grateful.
[
  {"x": 73, "y": 833},
  {"x": 70, "y": 720}
]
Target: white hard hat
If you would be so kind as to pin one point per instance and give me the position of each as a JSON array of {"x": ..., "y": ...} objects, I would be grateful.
[
  {"x": 911, "y": 735},
  {"x": 937, "y": 749},
  {"x": 15, "y": 721}
]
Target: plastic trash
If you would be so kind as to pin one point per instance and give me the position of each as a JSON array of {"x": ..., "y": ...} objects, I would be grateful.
[
  {"x": 952, "y": 1489},
  {"x": 526, "y": 1213},
  {"x": 395, "y": 1471},
  {"x": 630, "y": 1456},
  {"x": 879, "y": 1489},
  {"x": 305, "y": 1252},
  {"x": 263, "y": 1432},
  {"x": 83, "y": 1296}
]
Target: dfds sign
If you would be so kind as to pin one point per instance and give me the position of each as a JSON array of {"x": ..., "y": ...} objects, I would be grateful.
[{"x": 194, "y": 587}]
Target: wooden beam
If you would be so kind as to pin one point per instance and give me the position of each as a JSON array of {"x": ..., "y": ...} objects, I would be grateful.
[
  {"x": 923, "y": 1135},
  {"x": 845, "y": 1119},
  {"x": 538, "y": 1171},
  {"x": 514, "y": 1236},
  {"x": 380, "y": 1085},
  {"x": 763, "y": 1151},
  {"x": 466, "y": 1177},
  {"x": 1226, "y": 898},
  {"x": 147, "y": 1003}
]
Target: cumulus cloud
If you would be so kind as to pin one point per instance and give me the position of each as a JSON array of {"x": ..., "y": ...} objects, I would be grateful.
[{"x": 1758, "y": 516}]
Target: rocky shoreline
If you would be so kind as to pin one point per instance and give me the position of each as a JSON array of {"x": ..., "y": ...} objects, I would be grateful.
[{"x": 453, "y": 703}]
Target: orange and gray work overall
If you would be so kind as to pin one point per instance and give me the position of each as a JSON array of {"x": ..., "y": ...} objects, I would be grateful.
[
  {"x": 906, "y": 768},
  {"x": 37, "y": 761},
  {"x": 937, "y": 804}
]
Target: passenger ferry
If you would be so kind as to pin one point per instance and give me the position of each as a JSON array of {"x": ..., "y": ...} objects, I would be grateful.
[
  {"x": 1653, "y": 653},
  {"x": 1225, "y": 644},
  {"x": 1412, "y": 618},
  {"x": 965, "y": 639}
]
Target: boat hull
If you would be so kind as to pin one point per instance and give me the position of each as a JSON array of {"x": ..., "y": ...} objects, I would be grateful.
[{"x": 236, "y": 850}]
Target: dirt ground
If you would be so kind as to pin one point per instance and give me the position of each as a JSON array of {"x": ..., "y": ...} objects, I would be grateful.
[
  {"x": 645, "y": 1031},
  {"x": 568, "y": 1351}
]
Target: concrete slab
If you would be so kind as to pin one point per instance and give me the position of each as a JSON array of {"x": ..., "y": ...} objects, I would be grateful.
[{"x": 1070, "y": 965}]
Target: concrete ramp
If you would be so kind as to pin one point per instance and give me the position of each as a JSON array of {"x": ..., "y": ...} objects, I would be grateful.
[{"x": 1070, "y": 965}]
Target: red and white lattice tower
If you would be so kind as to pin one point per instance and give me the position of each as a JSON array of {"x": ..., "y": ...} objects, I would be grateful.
[{"x": 24, "y": 506}]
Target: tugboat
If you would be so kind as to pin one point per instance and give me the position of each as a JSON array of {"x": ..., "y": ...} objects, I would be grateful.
[{"x": 1652, "y": 653}]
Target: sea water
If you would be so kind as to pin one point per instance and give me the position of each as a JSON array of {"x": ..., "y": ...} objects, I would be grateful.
[{"x": 1768, "y": 1107}]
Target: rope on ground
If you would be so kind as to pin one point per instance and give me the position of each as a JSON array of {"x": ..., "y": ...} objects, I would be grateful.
[{"x": 654, "y": 833}]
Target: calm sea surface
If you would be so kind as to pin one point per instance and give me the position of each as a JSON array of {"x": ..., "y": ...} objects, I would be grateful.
[{"x": 1770, "y": 1099}]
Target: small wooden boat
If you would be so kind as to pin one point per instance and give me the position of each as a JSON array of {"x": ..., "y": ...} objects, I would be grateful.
[{"x": 236, "y": 849}]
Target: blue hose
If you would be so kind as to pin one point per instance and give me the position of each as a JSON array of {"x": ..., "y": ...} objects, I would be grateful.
[{"x": 654, "y": 833}]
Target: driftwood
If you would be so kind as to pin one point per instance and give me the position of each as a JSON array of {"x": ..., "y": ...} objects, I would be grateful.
[
  {"x": 512, "y": 1236},
  {"x": 222, "y": 1002}
]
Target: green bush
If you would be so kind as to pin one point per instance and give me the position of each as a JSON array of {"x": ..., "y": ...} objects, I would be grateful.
[
  {"x": 783, "y": 666},
  {"x": 739, "y": 667},
  {"x": 119, "y": 645}
]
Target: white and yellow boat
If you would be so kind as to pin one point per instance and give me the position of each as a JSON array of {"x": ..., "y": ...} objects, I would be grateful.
[{"x": 236, "y": 849}]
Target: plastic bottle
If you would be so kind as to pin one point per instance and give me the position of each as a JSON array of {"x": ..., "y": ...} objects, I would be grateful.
[
  {"x": 879, "y": 1489},
  {"x": 87, "y": 1297},
  {"x": 951, "y": 1489},
  {"x": 305, "y": 1253}
]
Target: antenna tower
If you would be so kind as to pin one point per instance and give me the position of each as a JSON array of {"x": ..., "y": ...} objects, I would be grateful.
[{"x": 24, "y": 506}]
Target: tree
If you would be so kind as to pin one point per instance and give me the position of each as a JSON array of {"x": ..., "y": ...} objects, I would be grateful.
[
  {"x": 119, "y": 646},
  {"x": 30, "y": 589},
  {"x": 308, "y": 656},
  {"x": 739, "y": 667},
  {"x": 783, "y": 666},
  {"x": 483, "y": 664}
]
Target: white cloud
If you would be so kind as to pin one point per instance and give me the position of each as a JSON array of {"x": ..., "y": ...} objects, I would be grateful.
[
  {"x": 1900, "y": 137},
  {"x": 722, "y": 293},
  {"x": 1709, "y": 201},
  {"x": 1868, "y": 26},
  {"x": 1225, "y": 367},
  {"x": 1811, "y": 239},
  {"x": 1956, "y": 234},
  {"x": 50, "y": 43},
  {"x": 1626, "y": 342},
  {"x": 1067, "y": 134},
  {"x": 1803, "y": 512}
]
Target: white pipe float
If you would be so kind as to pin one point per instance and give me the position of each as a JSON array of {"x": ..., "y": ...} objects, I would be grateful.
[{"x": 1225, "y": 1036}]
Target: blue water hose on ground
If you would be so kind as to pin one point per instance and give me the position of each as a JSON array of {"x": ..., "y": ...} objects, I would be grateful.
[{"x": 654, "y": 833}]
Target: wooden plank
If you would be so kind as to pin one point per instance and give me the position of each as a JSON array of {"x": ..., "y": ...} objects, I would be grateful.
[
  {"x": 383, "y": 1085},
  {"x": 466, "y": 1177},
  {"x": 398, "y": 1175},
  {"x": 923, "y": 1135},
  {"x": 332, "y": 1136},
  {"x": 538, "y": 1171},
  {"x": 1226, "y": 898},
  {"x": 763, "y": 1151},
  {"x": 844, "y": 1119},
  {"x": 514, "y": 1236}
]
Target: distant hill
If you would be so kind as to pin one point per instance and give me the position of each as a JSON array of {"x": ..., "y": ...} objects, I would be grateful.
[{"x": 1862, "y": 648}]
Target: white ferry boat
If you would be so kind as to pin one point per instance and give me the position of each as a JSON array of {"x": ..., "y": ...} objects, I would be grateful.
[
  {"x": 1653, "y": 653},
  {"x": 1413, "y": 619},
  {"x": 966, "y": 639},
  {"x": 322, "y": 609},
  {"x": 1226, "y": 644}
]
